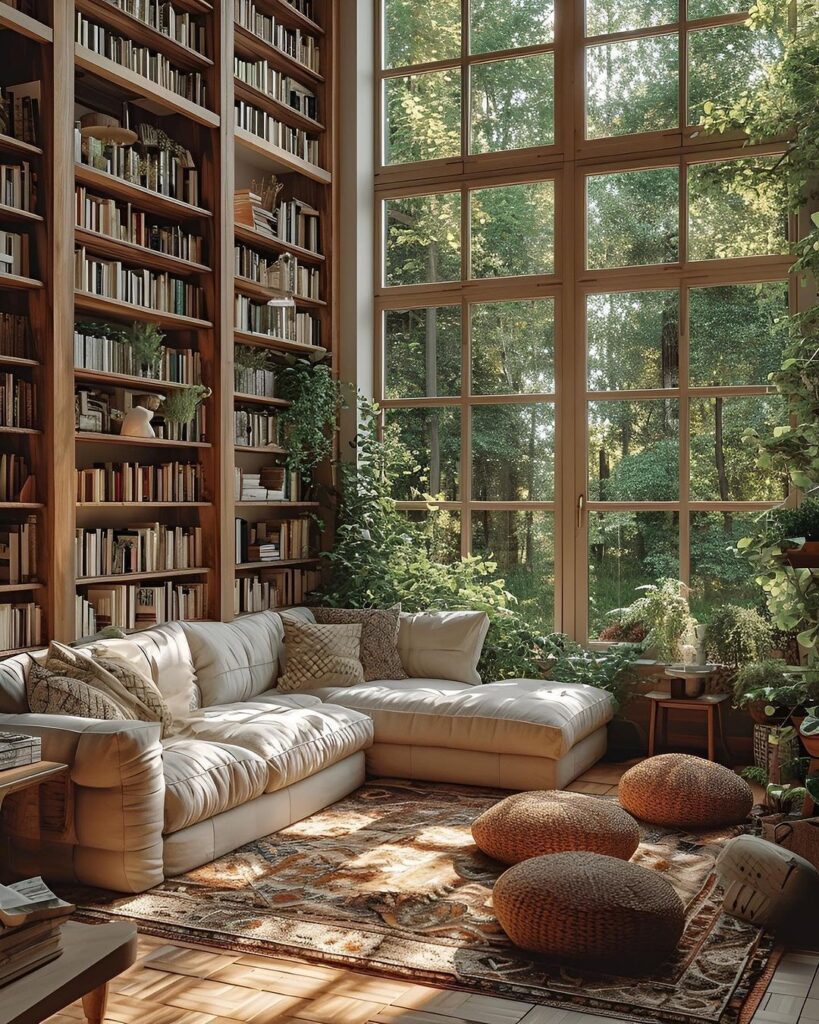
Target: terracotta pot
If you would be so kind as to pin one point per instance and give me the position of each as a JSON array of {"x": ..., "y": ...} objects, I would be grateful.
[
  {"x": 806, "y": 557},
  {"x": 756, "y": 709},
  {"x": 811, "y": 744}
]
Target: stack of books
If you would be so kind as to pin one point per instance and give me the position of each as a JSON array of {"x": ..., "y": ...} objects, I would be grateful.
[
  {"x": 248, "y": 210},
  {"x": 266, "y": 485},
  {"x": 18, "y": 749},
  {"x": 31, "y": 919}
]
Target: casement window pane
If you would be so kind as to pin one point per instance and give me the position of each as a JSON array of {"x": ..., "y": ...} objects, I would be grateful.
[
  {"x": 422, "y": 352},
  {"x": 734, "y": 337},
  {"x": 513, "y": 104},
  {"x": 422, "y": 239},
  {"x": 714, "y": 8},
  {"x": 513, "y": 452},
  {"x": 634, "y": 450},
  {"x": 632, "y": 218},
  {"x": 442, "y": 530},
  {"x": 522, "y": 544},
  {"x": 513, "y": 347},
  {"x": 736, "y": 208},
  {"x": 513, "y": 229},
  {"x": 723, "y": 467},
  {"x": 724, "y": 61},
  {"x": 717, "y": 576},
  {"x": 423, "y": 117},
  {"x": 632, "y": 340},
  {"x": 628, "y": 550},
  {"x": 632, "y": 86},
  {"x": 607, "y": 16},
  {"x": 421, "y": 33},
  {"x": 508, "y": 24},
  {"x": 432, "y": 439}
]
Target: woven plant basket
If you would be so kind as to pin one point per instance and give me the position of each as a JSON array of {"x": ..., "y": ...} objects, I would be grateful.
[
  {"x": 799, "y": 836},
  {"x": 683, "y": 791},
  {"x": 552, "y": 821},
  {"x": 764, "y": 751},
  {"x": 589, "y": 908}
]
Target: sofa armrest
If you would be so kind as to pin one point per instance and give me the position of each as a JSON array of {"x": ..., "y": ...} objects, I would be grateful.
[{"x": 117, "y": 793}]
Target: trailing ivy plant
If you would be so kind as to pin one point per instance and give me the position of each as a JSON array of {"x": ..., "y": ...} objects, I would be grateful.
[{"x": 309, "y": 422}]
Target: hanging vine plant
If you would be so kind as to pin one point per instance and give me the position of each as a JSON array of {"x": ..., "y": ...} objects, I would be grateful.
[{"x": 309, "y": 422}]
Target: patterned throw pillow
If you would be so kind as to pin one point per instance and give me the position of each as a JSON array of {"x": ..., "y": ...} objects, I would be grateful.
[
  {"x": 319, "y": 655},
  {"x": 93, "y": 686},
  {"x": 379, "y": 638}
]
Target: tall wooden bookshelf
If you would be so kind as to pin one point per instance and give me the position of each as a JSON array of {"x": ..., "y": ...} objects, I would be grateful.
[{"x": 86, "y": 277}]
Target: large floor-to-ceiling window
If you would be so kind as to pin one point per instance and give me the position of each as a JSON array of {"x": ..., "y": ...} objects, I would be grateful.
[{"x": 578, "y": 291}]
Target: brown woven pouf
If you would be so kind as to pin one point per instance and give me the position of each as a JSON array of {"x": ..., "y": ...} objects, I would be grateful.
[
  {"x": 552, "y": 821},
  {"x": 586, "y": 907},
  {"x": 683, "y": 791}
]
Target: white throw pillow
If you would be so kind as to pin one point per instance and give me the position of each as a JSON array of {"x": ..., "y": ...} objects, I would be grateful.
[{"x": 442, "y": 645}]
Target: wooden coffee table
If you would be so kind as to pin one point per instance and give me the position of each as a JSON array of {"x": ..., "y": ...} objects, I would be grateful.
[{"x": 92, "y": 955}]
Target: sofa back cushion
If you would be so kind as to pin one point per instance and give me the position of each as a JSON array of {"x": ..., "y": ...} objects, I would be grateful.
[
  {"x": 442, "y": 645},
  {"x": 236, "y": 660},
  {"x": 13, "y": 685}
]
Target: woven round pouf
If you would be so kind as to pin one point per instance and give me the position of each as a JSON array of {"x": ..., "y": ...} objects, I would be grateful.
[
  {"x": 552, "y": 821},
  {"x": 683, "y": 791},
  {"x": 590, "y": 908}
]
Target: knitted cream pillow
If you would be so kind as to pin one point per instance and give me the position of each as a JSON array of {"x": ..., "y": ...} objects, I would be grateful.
[
  {"x": 321, "y": 655},
  {"x": 379, "y": 638}
]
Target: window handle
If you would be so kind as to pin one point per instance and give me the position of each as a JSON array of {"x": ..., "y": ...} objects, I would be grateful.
[{"x": 581, "y": 505}]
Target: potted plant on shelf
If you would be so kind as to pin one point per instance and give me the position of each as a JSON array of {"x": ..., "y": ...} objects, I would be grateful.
[
  {"x": 799, "y": 527},
  {"x": 146, "y": 341},
  {"x": 773, "y": 692},
  {"x": 663, "y": 617},
  {"x": 180, "y": 404}
]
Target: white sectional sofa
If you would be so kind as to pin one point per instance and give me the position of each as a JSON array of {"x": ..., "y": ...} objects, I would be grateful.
[{"x": 245, "y": 760}]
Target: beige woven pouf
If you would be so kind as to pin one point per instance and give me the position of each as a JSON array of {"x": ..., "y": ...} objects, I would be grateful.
[
  {"x": 553, "y": 821},
  {"x": 585, "y": 907},
  {"x": 683, "y": 791}
]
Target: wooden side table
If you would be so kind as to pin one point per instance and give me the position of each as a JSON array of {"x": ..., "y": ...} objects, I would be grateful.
[
  {"x": 710, "y": 705},
  {"x": 14, "y": 779},
  {"x": 92, "y": 955}
]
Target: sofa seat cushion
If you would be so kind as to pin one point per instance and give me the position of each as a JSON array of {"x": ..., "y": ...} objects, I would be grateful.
[
  {"x": 542, "y": 718},
  {"x": 294, "y": 741},
  {"x": 204, "y": 778}
]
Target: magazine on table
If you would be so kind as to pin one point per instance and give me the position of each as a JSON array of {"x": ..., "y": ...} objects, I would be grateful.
[{"x": 31, "y": 900}]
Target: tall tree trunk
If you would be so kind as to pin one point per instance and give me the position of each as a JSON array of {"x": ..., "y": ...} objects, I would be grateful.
[
  {"x": 431, "y": 373},
  {"x": 719, "y": 452}
]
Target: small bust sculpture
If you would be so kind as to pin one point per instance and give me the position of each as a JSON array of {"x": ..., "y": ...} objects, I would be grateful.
[{"x": 137, "y": 422}]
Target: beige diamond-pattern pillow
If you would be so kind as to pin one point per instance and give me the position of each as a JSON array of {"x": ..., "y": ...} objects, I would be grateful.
[
  {"x": 379, "y": 638},
  {"x": 321, "y": 655},
  {"x": 52, "y": 694}
]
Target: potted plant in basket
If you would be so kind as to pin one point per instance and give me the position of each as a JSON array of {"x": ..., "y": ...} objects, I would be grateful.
[
  {"x": 799, "y": 527},
  {"x": 809, "y": 732}
]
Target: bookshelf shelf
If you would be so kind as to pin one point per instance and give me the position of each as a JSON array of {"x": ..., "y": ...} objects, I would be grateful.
[
  {"x": 279, "y": 344},
  {"x": 124, "y": 380},
  {"x": 283, "y": 505},
  {"x": 13, "y": 506},
  {"x": 262, "y": 292},
  {"x": 88, "y": 437},
  {"x": 283, "y": 111},
  {"x": 20, "y": 283},
  {"x": 18, "y": 650},
  {"x": 151, "y": 96},
  {"x": 139, "y": 32},
  {"x": 279, "y": 159},
  {"x": 249, "y": 45},
  {"x": 275, "y": 563},
  {"x": 247, "y": 234},
  {"x": 17, "y": 361},
  {"x": 281, "y": 403},
  {"x": 8, "y": 144},
  {"x": 134, "y": 577},
  {"x": 19, "y": 430},
  {"x": 13, "y": 588},
  {"x": 115, "y": 248},
  {"x": 24, "y": 25},
  {"x": 13, "y": 213},
  {"x": 270, "y": 449},
  {"x": 289, "y": 15},
  {"x": 144, "y": 198},
  {"x": 144, "y": 504},
  {"x": 101, "y": 306}
]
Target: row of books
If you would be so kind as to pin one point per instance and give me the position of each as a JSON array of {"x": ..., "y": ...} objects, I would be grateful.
[
  {"x": 292, "y": 140},
  {"x": 291, "y": 221},
  {"x": 261, "y": 75},
  {"x": 20, "y": 112},
  {"x": 168, "y": 172},
  {"x": 94, "y": 350},
  {"x": 280, "y": 588},
  {"x": 164, "y": 17},
  {"x": 133, "y": 482},
  {"x": 15, "y": 336},
  {"x": 304, "y": 7},
  {"x": 285, "y": 274},
  {"x": 17, "y": 402},
  {"x": 16, "y": 481},
  {"x": 252, "y": 381},
  {"x": 291, "y": 41},
  {"x": 31, "y": 920},
  {"x": 122, "y": 221},
  {"x": 21, "y": 625},
  {"x": 266, "y": 485},
  {"x": 18, "y": 186},
  {"x": 271, "y": 542},
  {"x": 148, "y": 288},
  {"x": 255, "y": 429},
  {"x": 142, "y": 60},
  {"x": 14, "y": 250},
  {"x": 18, "y": 552},
  {"x": 128, "y": 606},
  {"x": 109, "y": 551},
  {"x": 283, "y": 322}
]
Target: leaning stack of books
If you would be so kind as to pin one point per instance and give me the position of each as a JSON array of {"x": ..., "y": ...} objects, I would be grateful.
[
  {"x": 248, "y": 210},
  {"x": 18, "y": 749},
  {"x": 31, "y": 919}
]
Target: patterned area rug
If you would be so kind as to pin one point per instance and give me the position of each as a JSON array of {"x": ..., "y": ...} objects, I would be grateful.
[{"x": 389, "y": 881}]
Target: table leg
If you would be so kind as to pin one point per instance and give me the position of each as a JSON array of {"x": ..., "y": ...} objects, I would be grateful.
[
  {"x": 652, "y": 727},
  {"x": 712, "y": 753},
  {"x": 723, "y": 742},
  {"x": 95, "y": 1003}
]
